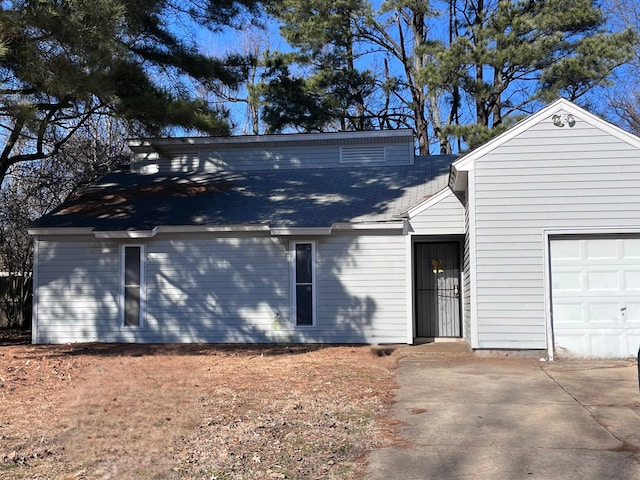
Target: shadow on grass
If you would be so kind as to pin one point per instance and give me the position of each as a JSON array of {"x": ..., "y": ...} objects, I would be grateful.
[{"x": 168, "y": 349}]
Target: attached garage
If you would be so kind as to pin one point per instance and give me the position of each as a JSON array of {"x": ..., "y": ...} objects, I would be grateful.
[
  {"x": 595, "y": 295},
  {"x": 551, "y": 257}
]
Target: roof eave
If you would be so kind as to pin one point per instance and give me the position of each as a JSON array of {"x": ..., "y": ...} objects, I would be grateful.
[
  {"x": 147, "y": 233},
  {"x": 60, "y": 231},
  {"x": 458, "y": 180},
  {"x": 466, "y": 163},
  {"x": 396, "y": 225},
  {"x": 426, "y": 203}
]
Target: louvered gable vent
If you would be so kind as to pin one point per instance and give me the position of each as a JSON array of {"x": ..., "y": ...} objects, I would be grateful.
[{"x": 362, "y": 154}]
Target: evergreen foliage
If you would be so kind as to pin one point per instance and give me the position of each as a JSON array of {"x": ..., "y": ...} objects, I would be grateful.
[
  {"x": 66, "y": 59},
  {"x": 458, "y": 74},
  {"x": 319, "y": 86}
]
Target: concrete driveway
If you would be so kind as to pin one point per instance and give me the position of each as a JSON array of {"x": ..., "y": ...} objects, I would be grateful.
[{"x": 496, "y": 418}]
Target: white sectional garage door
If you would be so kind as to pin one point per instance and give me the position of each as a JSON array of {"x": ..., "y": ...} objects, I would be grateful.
[{"x": 595, "y": 296}]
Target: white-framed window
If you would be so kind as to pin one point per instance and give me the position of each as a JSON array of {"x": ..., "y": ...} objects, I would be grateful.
[
  {"x": 132, "y": 285},
  {"x": 303, "y": 283}
]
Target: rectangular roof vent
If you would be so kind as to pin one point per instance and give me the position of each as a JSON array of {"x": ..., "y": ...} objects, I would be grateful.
[{"x": 362, "y": 154}]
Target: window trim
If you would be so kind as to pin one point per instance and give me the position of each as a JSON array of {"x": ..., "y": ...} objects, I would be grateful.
[
  {"x": 122, "y": 286},
  {"x": 294, "y": 283}
]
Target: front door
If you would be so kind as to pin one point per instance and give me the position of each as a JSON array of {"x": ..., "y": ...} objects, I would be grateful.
[{"x": 437, "y": 294}]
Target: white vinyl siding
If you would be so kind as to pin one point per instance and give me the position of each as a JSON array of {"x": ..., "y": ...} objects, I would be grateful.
[
  {"x": 274, "y": 157},
  {"x": 223, "y": 289},
  {"x": 362, "y": 295},
  {"x": 445, "y": 217},
  {"x": 77, "y": 290},
  {"x": 545, "y": 178},
  {"x": 218, "y": 289}
]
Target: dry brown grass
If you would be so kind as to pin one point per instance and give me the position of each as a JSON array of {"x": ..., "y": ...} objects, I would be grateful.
[{"x": 191, "y": 411}]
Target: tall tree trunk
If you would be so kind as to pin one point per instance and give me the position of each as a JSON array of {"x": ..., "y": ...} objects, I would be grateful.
[{"x": 482, "y": 114}]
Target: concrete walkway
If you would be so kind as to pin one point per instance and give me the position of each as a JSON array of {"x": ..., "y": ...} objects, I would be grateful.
[{"x": 495, "y": 418}]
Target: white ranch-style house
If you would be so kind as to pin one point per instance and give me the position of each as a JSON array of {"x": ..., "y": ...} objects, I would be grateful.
[{"x": 530, "y": 242}]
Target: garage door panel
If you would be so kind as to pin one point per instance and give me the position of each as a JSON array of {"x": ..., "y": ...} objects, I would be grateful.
[
  {"x": 632, "y": 280},
  {"x": 566, "y": 250},
  {"x": 631, "y": 342},
  {"x": 632, "y": 314},
  {"x": 603, "y": 314},
  {"x": 606, "y": 345},
  {"x": 572, "y": 341},
  {"x": 571, "y": 312},
  {"x": 599, "y": 345},
  {"x": 602, "y": 280},
  {"x": 631, "y": 248},
  {"x": 567, "y": 281},
  {"x": 595, "y": 285},
  {"x": 601, "y": 249}
]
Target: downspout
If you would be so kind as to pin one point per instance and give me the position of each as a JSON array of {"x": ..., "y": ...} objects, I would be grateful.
[{"x": 34, "y": 285}]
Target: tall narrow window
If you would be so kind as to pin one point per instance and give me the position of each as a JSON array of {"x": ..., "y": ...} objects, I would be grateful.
[
  {"x": 132, "y": 285},
  {"x": 303, "y": 283}
]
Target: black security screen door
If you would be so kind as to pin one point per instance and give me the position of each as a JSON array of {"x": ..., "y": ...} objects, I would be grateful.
[{"x": 437, "y": 284}]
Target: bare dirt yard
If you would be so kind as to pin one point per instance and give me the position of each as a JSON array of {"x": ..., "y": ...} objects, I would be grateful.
[{"x": 191, "y": 411}]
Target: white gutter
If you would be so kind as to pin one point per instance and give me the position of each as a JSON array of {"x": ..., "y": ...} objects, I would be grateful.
[
  {"x": 285, "y": 231},
  {"x": 395, "y": 225},
  {"x": 61, "y": 231},
  {"x": 126, "y": 233},
  {"x": 342, "y": 226},
  {"x": 212, "y": 228},
  {"x": 275, "y": 231}
]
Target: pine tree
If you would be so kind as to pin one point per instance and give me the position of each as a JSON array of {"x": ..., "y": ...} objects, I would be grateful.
[
  {"x": 512, "y": 55},
  {"x": 320, "y": 86},
  {"x": 66, "y": 59},
  {"x": 461, "y": 74}
]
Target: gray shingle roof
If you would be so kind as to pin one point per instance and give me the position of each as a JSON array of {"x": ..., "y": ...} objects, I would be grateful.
[{"x": 310, "y": 197}]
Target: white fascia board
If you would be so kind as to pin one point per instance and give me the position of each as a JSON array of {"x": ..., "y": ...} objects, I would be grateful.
[
  {"x": 275, "y": 231},
  {"x": 181, "y": 229},
  {"x": 304, "y": 231},
  {"x": 61, "y": 231},
  {"x": 212, "y": 228},
  {"x": 597, "y": 122},
  {"x": 467, "y": 162},
  {"x": 342, "y": 226},
  {"x": 126, "y": 233},
  {"x": 394, "y": 225},
  {"x": 429, "y": 202}
]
